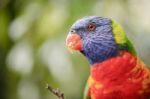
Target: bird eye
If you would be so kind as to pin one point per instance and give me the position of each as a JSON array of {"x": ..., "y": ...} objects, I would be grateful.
[{"x": 91, "y": 27}]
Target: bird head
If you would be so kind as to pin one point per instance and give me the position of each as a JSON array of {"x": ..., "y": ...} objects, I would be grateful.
[{"x": 98, "y": 38}]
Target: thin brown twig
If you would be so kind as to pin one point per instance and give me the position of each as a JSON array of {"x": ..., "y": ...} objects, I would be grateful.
[{"x": 56, "y": 92}]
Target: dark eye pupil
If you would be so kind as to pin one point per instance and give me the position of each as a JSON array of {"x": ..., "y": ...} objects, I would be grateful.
[{"x": 91, "y": 27}]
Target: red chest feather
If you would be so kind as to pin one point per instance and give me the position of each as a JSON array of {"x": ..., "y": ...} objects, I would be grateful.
[{"x": 121, "y": 77}]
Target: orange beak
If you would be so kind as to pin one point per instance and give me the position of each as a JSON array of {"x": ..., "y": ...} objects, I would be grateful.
[{"x": 74, "y": 42}]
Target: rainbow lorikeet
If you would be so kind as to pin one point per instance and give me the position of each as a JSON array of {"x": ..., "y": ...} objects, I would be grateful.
[{"x": 116, "y": 72}]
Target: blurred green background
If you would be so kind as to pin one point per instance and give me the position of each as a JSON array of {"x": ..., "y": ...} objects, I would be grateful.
[{"x": 32, "y": 43}]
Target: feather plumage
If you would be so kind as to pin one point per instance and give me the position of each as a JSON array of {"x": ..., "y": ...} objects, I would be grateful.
[{"x": 116, "y": 71}]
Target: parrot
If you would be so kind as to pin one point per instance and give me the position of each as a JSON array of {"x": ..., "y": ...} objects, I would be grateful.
[{"x": 116, "y": 71}]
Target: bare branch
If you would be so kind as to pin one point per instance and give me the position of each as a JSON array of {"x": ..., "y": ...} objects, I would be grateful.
[{"x": 56, "y": 92}]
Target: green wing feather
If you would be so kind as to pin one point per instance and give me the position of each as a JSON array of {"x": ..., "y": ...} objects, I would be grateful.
[{"x": 86, "y": 92}]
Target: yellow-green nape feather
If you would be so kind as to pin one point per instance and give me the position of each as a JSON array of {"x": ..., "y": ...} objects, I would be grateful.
[
  {"x": 119, "y": 33},
  {"x": 121, "y": 38}
]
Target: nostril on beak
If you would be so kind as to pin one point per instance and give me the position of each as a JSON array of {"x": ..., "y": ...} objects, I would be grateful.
[{"x": 72, "y": 31}]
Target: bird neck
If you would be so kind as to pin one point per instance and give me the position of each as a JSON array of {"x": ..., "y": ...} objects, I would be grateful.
[{"x": 114, "y": 68}]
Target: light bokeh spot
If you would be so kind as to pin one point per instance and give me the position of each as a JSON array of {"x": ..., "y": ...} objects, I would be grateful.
[{"x": 20, "y": 58}]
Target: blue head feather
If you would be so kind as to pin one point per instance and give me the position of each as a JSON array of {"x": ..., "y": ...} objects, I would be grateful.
[{"x": 98, "y": 45}]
